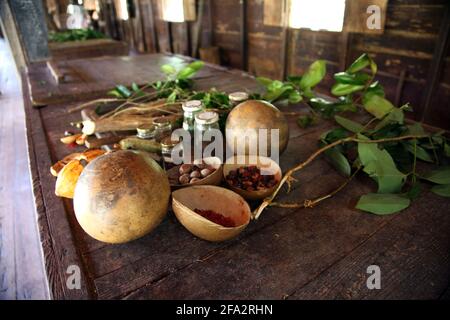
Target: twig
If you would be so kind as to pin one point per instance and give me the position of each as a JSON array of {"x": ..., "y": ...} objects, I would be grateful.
[
  {"x": 312, "y": 203},
  {"x": 300, "y": 166},
  {"x": 90, "y": 103}
]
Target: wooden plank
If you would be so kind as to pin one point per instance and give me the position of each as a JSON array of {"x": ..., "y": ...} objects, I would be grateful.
[
  {"x": 58, "y": 245},
  {"x": 29, "y": 19},
  {"x": 88, "y": 77},
  {"x": 22, "y": 273},
  {"x": 437, "y": 63},
  {"x": 413, "y": 253},
  {"x": 274, "y": 257},
  {"x": 356, "y": 16},
  {"x": 87, "y": 49}
]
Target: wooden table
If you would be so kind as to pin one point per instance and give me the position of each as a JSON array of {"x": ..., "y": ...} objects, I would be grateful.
[
  {"x": 322, "y": 252},
  {"x": 87, "y": 49}
]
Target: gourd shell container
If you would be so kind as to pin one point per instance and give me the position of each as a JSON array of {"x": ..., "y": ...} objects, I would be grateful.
[
  {"x": 220, "y": 200},
  {"x": 213, "y": 179},
  {"x": 265, "y": 164}
]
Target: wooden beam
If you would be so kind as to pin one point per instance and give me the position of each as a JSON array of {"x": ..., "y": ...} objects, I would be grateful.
[
  {"x": 285, "y": 41},
  {"x": 30, "y": 23},
  {"x": 243, "y": 35},
  {"x": 435, "y": 70}
]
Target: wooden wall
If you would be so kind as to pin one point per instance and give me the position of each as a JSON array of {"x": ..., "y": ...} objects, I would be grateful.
[{"x": 404, "y": 52}]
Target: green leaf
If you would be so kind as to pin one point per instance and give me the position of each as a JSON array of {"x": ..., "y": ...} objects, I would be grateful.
[
  {"x": 276, "y": 93},
  {"x": 339, "y": 161},
  {"x": 383, "y": 204},
  {"x": 190, "y": 70},
  {"x": 123, "y": 91},
  {"x": 333, "y": 135},
  {"x": 348, "y": 78},
  {"x": 442, "y": 190},
  {"x": 348, "y": 124},
  {"x": 295, "y": 97},
  {"x": 380, "y": 166},
  {"x": 314, "y": 74},
  {"x": 135, "y": 87},
  {"x": 439, "y": 176},
  {"x": 375, "y": 89},
  {"x": 447, "y": 150},
  {"x": 395, "y": 116},
  {"x": 264, "y": 81},
  {"x": 377, "y": 106},
  {"x": 114, "y": 93},
  {"x": 416, "y": 129},
  {"x": 362, "y": 62},
  {"x": 172, "y": 97},
  {"x": 421, "y": 153},
  {"x": 414, "y": 192},
  {"x": 306, "y": 121},
  {"x": 168, "y": 69},
  {"x": 294, "y": 79},
  {"x": 275, "y": 85},
  {"x": 342, "y": 89}
]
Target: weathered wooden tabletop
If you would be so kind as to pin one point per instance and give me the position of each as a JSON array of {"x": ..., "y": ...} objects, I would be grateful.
[{"x": 322, "y": 252}]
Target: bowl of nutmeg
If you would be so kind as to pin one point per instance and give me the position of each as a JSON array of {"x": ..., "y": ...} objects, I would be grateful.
[
  {"x": 207, "y": 171},
  {"x": 253, "y": 177}
]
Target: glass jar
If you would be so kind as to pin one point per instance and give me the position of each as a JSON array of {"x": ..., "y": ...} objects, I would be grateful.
[
  {"x": 146, "y": 132},
  {"x": 163, "y": 128},
  {"x": 191, "y": 109},
  {"x": 206, "y": 120},
  {"x": 237, "y": 98},
  {"x": 167, "y": 146}
]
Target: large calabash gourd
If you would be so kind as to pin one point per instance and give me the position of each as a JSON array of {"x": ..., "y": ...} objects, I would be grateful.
[
  {"x": 121, "y": 196},
  {"x": 247, "y": 118}
]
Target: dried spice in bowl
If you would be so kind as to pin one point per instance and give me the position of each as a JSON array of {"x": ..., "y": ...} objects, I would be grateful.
[
  {"x": 249, "y": 178},
  {"x": 217, "y": 218}
]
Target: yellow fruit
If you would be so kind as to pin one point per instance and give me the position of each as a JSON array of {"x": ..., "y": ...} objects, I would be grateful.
[
  {"x": 250, "y": 116},
  {"x": 121, "y": 196}
]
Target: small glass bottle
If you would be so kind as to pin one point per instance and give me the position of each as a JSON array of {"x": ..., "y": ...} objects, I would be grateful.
[
  {"x": 163, "y": 128},
  {"x": 167, "y": 146},
  {"x": 146, "y": 132},
  {"x": 237, "y": 98},
  {"x": 191, "y": 109},
  {"x": 206, "y": 120}
]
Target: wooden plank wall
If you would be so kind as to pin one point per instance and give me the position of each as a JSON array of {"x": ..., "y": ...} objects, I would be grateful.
[{"x": 403, "y": 53}]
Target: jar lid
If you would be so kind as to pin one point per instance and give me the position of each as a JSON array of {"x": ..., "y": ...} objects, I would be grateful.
[
  {"x": 207, "y": 117},
  {"x": 161, "y": 121},
  {"x": 167, "y": 142},
  {"x": 145, "y": 131},
  {"x": 238, "y": 96},
  {"x": 192, "y": 106}
]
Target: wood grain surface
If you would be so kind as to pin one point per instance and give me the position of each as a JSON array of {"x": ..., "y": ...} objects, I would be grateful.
[
  {"x": 22, "y": 273},
  {"x": 288, "y": 253}
]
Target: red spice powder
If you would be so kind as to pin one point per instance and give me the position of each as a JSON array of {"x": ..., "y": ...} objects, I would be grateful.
[{"x": 216, "y": 218}]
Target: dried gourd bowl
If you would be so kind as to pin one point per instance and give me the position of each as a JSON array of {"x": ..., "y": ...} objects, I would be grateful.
[
  {"x": 213, "y": 179},
  {"x": 265, "y": 164},
  {"x": 217, "y": 199}
]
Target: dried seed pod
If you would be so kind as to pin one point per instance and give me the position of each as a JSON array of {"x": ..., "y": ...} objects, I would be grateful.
[
  {"x": 184, "y": 179},
  {"x": 206, "y": 172},
  {"x": 185, "y": 168},
  {"x": 195, "y": 174},
  {"x": 194, "y": 180},
  {"x": 70, "y": 139}
]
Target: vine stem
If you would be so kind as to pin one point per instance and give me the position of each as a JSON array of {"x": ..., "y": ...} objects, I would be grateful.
[
  {"x": 312, "y": 203},
  {"x": 318, "y": 152}
]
